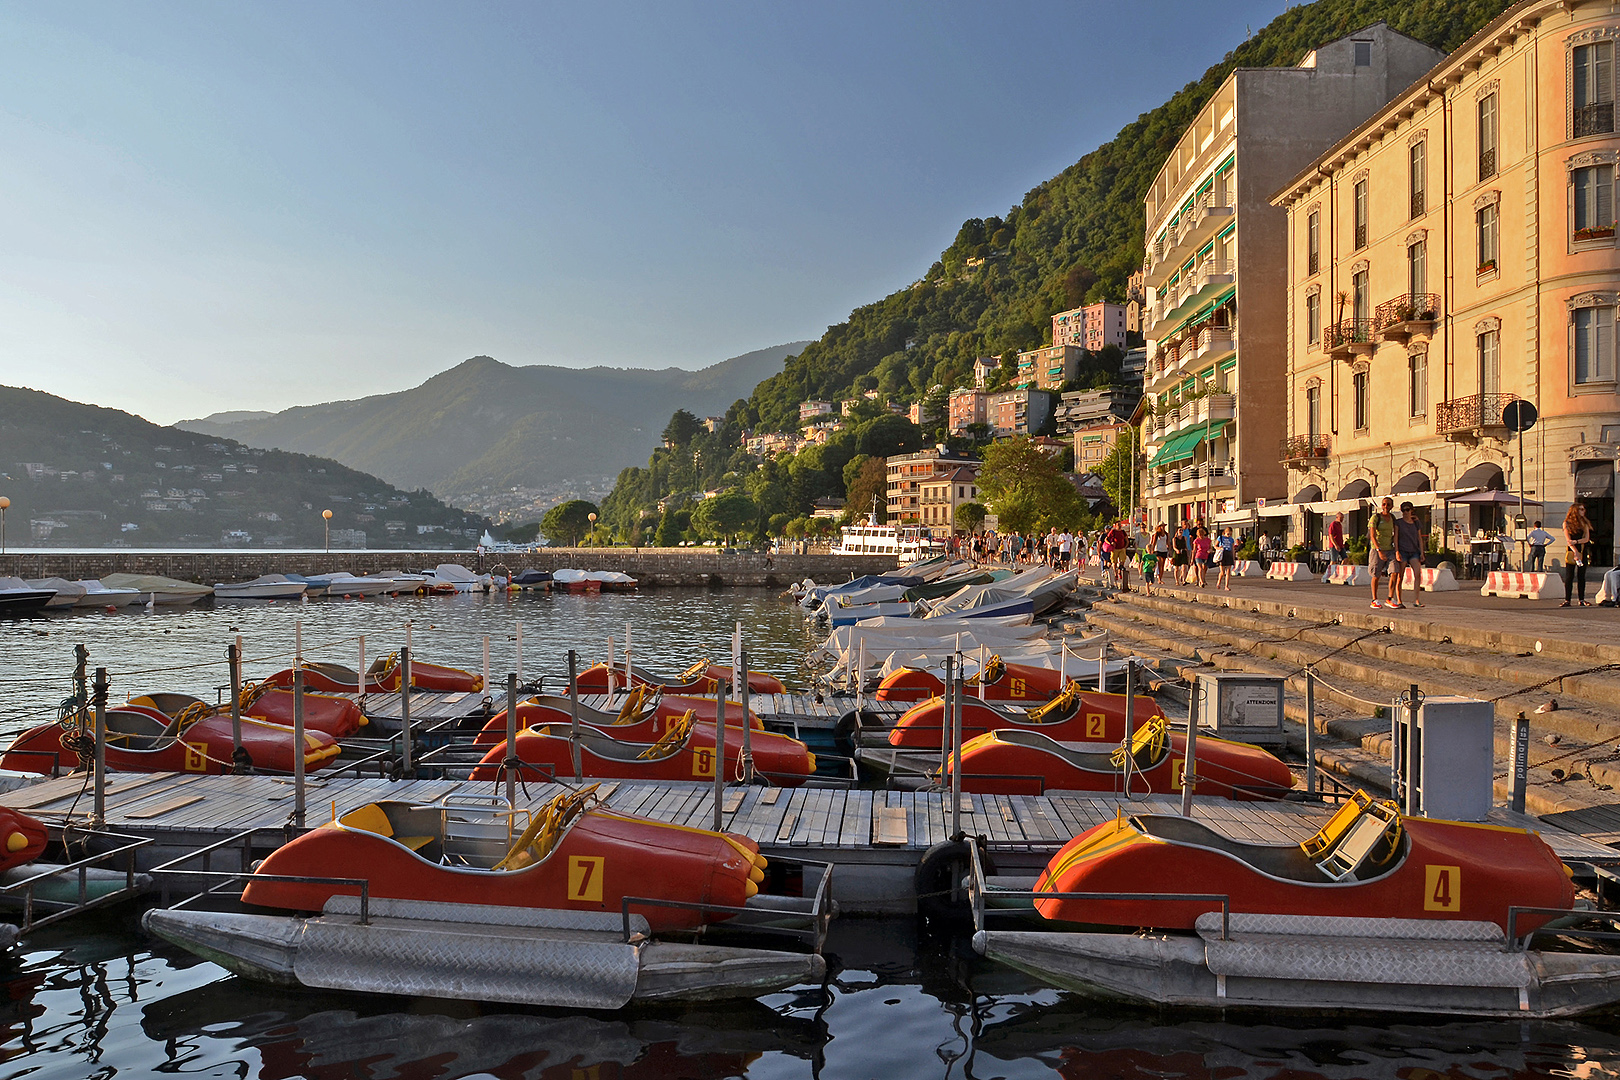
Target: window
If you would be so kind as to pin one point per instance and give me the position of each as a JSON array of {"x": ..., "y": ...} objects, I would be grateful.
[
  {"x": 1313, "y": 242},
  {"x": 1313, "y": 410},
  {"x": 1363, "y": 51},
  {"x": 1490, "y": 362},
  {"x": 1593, "y": 75},
  {"x": 1417, "y": 384},
  {"x": 1485, "y": 233},
  {"x": 1359, "y": 399},
  {"x": 1594, "y": 345},
  {"x": 1487, "y": 136},
  {"x": 1417, "y": 269},
  {"x": 1360, "y": 296},
  {"x": 1313, "y": 318},
  {"x": 1594, "y": 202},
  {"x": 1361, "y": 214},
  {"x": 1417, "y": 167}
]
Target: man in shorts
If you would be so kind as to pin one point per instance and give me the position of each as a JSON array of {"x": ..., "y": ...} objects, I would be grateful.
[{"x": 1381, "y": 551}]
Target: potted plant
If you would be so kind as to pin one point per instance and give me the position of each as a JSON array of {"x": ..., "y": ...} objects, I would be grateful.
[
  {"x": 1486, "y": 267},
  {"x": 1595, "y": 232}
]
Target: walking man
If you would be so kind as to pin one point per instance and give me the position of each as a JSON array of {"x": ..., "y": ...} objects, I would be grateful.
[
  {"x": 1381, "y": 549},
  {"x": 1335, "y": 543}
]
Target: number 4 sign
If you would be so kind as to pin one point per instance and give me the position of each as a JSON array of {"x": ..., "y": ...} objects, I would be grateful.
[{"x": 1442, "y": 888}]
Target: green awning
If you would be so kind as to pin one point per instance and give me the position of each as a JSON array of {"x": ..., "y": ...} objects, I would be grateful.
[{"x": 1183, "y": 444}]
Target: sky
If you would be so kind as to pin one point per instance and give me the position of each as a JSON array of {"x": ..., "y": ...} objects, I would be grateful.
[{"x": 228, "y": 205}]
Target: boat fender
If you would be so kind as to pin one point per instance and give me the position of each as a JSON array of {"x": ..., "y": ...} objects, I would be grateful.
[{"x": 939, "y": 875}]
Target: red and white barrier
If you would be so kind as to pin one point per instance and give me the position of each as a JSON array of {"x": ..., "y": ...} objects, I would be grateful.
[
  {"x": 1432, "y": 579},
  {"x": 1515, "y": 583},
  {"x": 1247, "y": 568},
  {"x": 1349, "y": 574},
  {"x": 1290, "y": 571}
]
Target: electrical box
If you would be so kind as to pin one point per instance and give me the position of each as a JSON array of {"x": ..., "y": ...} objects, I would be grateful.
[
  {"x": 1445, "y": 768},
  {"x": 1242, "y": 706}
]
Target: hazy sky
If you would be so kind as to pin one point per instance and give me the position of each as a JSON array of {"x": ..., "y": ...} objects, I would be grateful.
[{"x": 248, "y": 206}]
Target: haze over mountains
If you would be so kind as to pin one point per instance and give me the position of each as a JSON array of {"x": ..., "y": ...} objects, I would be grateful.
[{"x": 473, "y": 433}]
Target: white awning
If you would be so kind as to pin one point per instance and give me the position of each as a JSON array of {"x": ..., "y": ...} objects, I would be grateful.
[
  {"x": 1278, "y": 510},
  {"x": 1235, "y": 517},
  {"x": 1335, "y": 506}
]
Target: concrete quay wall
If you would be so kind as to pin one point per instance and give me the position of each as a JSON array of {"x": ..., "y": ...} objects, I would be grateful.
[{"x": 652, "y": 567}]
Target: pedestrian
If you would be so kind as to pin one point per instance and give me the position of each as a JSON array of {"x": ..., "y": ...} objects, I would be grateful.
[
  {"x": 1180, "y": 555},
  {"x": 1408, "y": 556},
  {"x": 1381, "y": 549},
  {"x": 1577, "y": 535},
  {"x": 1150, "y": 568},
  {"x": 1539, "y": 539},
  {"x": 1065, "y": 549},
  {"x": 1335, "y": 539},
  {"x": 1202, "y": 548},
  {"x": 1225, "y": 558},
  {"x": 1117, "y": 555},
  {"x": 1263, "y": 549}
]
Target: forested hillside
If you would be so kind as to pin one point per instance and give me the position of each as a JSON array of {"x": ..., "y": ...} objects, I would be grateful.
[{"x": 1075, "y": 238}]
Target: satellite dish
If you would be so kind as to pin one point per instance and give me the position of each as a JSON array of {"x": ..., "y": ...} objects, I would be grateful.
[{"x": 1518, "y": 415}]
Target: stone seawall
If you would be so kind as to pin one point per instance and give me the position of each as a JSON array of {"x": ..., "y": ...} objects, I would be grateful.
[{"x": 651, "y": 566}]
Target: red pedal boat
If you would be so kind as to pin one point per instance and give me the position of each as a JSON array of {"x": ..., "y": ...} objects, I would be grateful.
[
  {"x": 571, "y": 854},
  {"x": 382, "y": 677},
  {"x": 144, "y": 739},
  {"x": 701, "y": 678},
  {"x": 337, "y": 716},
  {"x": 642, "y": 719},
  {"x": 22, "y": 838},
  {"x": 684, "y": 752},
  {"x": 1002, "y": 682},
  {"x": 1026, "y": 762},
  {"x": 1075, "y": 715},
  {"x": 1369, "y": 861}
]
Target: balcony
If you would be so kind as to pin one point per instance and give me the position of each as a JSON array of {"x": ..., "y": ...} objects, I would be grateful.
[
  {"x": 1400, "y": 318},
  {"x": 1344, "y": 339},
  {"x": 1213, "y": 407},
  {"x": 1305, "y": 450},
  {"x": 1214, "y": 343},
  {"x": 1595, "y": 119},
  {"x": 1471, "y": 416}
]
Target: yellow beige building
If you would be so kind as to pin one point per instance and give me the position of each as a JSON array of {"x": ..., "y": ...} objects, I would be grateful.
[{"x": 1453, "y": 253}]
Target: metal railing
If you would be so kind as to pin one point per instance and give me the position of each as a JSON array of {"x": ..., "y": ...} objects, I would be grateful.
[
  {"x": 1487, "y": 163},
  {"x": 1361, "y": 236},
  {"x": 1302, "y": 447},
  {"x": 819, "y": 914},
  {"x": 80, "y": 866},
  {"x": 1408, "y": 308},
  {"x": 1313, "y": 262},
  {"x": 1473, "y": 413},
  {"x": 1516, "y": 944},
  {"x": 1595, "y": 119},
  {"x": 1419, "y": 203},
  {"x": 1342, "y": 335}
]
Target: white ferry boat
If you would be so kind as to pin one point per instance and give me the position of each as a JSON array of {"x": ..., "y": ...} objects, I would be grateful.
[{"x": 909, "y": 544}]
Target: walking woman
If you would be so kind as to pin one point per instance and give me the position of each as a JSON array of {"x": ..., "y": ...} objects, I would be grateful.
[
  {"x": 1179, "y": 555},
  {"x": 1577, "y": 535}
]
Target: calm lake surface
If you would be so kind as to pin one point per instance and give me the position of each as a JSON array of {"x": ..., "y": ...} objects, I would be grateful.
[{"x": 96, "y": 998}]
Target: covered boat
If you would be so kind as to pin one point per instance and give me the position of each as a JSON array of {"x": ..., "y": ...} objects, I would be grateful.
[
  {"x": 1074, "y": 716},
  {"x": 347, "y": 585},
  {"x": 460, "y": 578},
  {"x": 641, "y": 718},
  {"x": 263, "y": 587},
  {"x": 17, "y": 597},
  {"x": 683, "y": 752},
  {"x": 532, "y": 579},
  {"x": 701, "y": 678},
  {"x": 159, "y": 589},
  {"x": 99, "y": 595},
  {"x": 1001, "y": 681},
  {"x": 143, "y": 739},
  {"x": 1026, "y": 762},
  {"x": 67, "y": 592},
  {"x": 382, "y": 677}
]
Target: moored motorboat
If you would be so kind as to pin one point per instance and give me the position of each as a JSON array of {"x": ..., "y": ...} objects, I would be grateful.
[
  {"x": 17, "y": 597},
  {"x": 163, "y": 591},
  {"x": 67, "y": 592},
  {"x": 338, "y": 717},
  {"x": 1074, "y": 716},
  {"x": 1024, "y": 762},
  {"x": 685, "y": 751},
  {"x": 99, "y": 595},
  {"x": 1000, "y": 681},
  {"x": 575, "y": 581},
  {"x": 459, "y": 577},
  {"x": 263, "y": 587},
  {"x": 537, "y": 580}
]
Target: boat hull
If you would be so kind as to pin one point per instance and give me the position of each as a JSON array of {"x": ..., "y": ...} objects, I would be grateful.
[
  {"x": 595, "y": 680},
  {"x": 1095, "y": 717},
  {"x": 668, "y": 713},
  {"x": 1020, "y": 682},
  {"x": 786, "y": 762},
  {"x": 287, "y": 590},
  {"x": 203, "y": 747}
]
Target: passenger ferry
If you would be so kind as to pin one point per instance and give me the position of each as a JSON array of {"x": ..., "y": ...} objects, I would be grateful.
[{"x": 910, "y": 544}]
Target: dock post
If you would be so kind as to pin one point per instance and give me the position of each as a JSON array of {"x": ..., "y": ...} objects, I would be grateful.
[
  {"x": 405, "y": 711},
  {"x": 981, "y": 672},
  {"x": 489, "y": 688},
  {"x": 1310, "y": 732},
  {"x": 520, "y": 654},
  {"x": 953, "y": 711},
  {"x": 99, "y": 817},
  {"x": 860, "y": 680},
  {"x": 945, "y": 719},
  {"x": 1130, "y": 720},
  {"x": 719, "y": 748},
  {"x": 360, "y": 676},
  {"x": 612, "y": 670},
  {"x": 1063, "y": 665},
  {"x": 1189, "y": 767},
  {"x": 298, "y": 742},
  {"x": 233, "y": 653},
  {"x": 628, "y": 682},
  {"x": 747, "y": 769},
  {"x": 573, "y": 708},
  {"x": 1102, "y": 668},
  {"x": 1414, "y": 750},
  {"x": 510, "y": 764},
  {"x": 1521, "y": 760}
]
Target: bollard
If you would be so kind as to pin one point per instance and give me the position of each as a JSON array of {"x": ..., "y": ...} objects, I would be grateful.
[
  {"x": 1310, "y": 732},
  {"x": 511, "y": 733},
  {"x": 1130, "y": 720},
  {"x": 298, "y": 742},
  {"x": 233, "y": 653},
  {"x": 719, "y": 749},
  {"x": 1521, "y": 761},
  {"x": 573, "y": 710},
  {"x": 1189, "y": 767},
  {"x": 100, "y": 811},
  {"x": 405, "y": 711}
]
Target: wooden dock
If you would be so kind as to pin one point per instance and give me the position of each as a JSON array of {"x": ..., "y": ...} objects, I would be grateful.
[{"x": 876, "y": 838}]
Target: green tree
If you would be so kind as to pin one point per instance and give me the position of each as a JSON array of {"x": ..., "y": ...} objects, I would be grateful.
[
  {"x": 681, "y": 429},
  {"x": 888, "y": 435},
  {"x": 969, "y": 516},
  {"x": 1117, "y": 472},
  {"x": 668, "y": 535},
  {"x": 1025, "y": 487},
  {"x": 871, "y": 481},
  {"x": 568, "y": 521},
  {"x": 725, "y": 514}
]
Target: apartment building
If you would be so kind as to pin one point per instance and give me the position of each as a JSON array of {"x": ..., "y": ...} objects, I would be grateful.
[
  {"x": 1091, "y": 327},
  {"x": 1217, "y": 247},
  {"x": 809, "y": 410},
  {"x": 1453, "y": 253},
  {"x": 1018, "y": 412},
  {"x": 1088, "y": 408},
  {"x": 942, "y": 493},
  {"x": 984, "y": 370},
  {"x": 908, "y": 472},
  {"x": 966, "y": 407},
  {"x": 1048, "y": 368},
  {"x": 1092, "y": 445}
]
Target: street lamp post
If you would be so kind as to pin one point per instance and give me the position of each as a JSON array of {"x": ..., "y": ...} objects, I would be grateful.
[
  {"x": 592, "y": 518},
  {"x": 327, "y": 515},
  {"x": 5, "y": 503}
]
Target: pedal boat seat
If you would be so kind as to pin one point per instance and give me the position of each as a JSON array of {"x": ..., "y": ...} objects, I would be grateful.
[{"x": 414, "y": 827}]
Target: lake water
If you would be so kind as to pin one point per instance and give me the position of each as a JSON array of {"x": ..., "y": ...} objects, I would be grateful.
[{"x": 95, "y": 998}]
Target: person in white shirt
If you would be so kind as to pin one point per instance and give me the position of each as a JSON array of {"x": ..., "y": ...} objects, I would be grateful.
[
  {"x": 1065, "y": 547},
  {"x": 1539, "y": 539}
]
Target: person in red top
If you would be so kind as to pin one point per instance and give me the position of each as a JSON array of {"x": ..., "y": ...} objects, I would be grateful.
[
  {"x": 1202, "y": 546},
  {"x": 1335, "y": 545},
  {"x": 1117, "y": 555}
]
